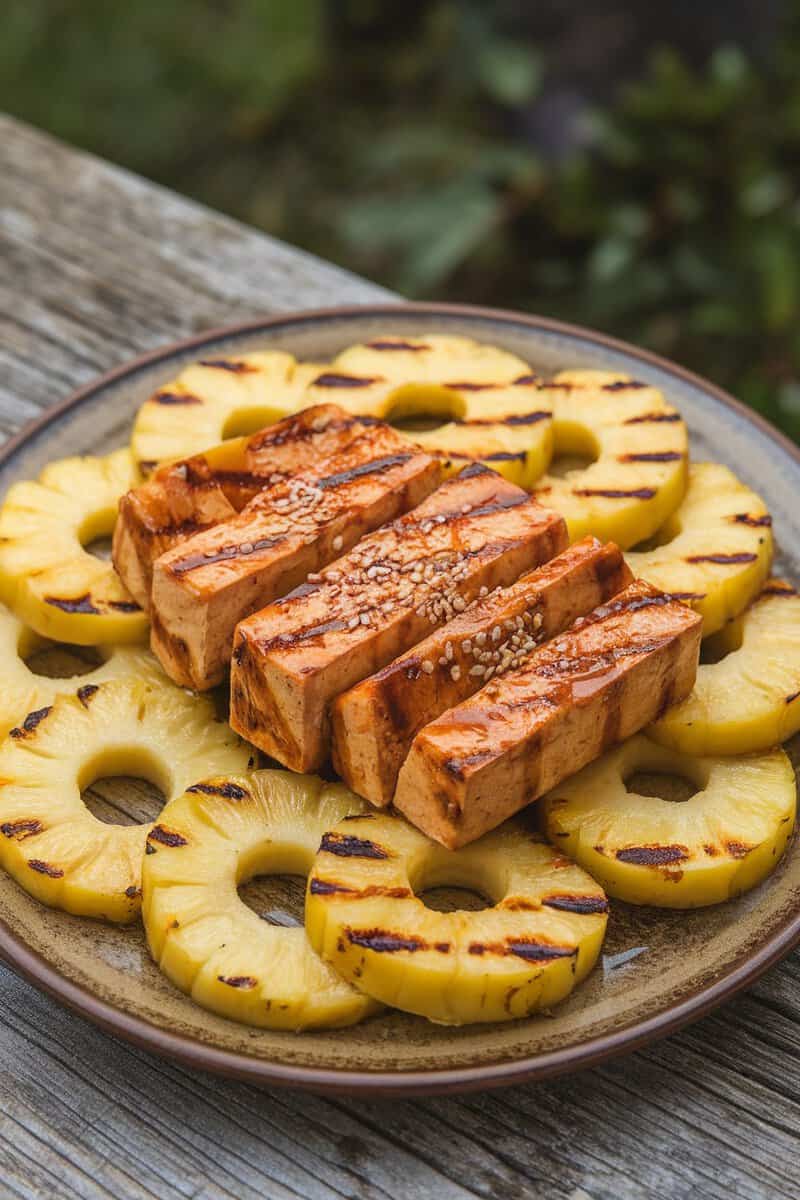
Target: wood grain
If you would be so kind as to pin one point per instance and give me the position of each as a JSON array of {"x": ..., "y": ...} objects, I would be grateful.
[{"x": 97, "y": 266}]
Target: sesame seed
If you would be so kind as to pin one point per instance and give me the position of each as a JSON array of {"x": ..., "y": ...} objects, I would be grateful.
[
  {"x": 497, "y": 633},
  {"x": 448, "y": 651},
  {"x": 537, "y": 621},
  {"x": 351, "y": 624},
  {"x": 455, "y": 673},
  {"x": 427, "y": 667},
  {"x": 337, "y": 542},
  {"x": 466, "y": 646},
  {"x": 443, "y": 661},
  {"x": 480, "y": 638},
  {"x": 488, "y": 674},
  {"x": 459, "y": 603},
  {"x": 476, "y": 670},
  {"x": 365, "y": 618},
  {"x": 484, "y": 591}
]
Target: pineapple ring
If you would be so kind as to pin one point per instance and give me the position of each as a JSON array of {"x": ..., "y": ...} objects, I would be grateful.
[
  {"x": 720, "y": 842},
  {"x": 23, "y": 690},
  {"x": 715, "y": 551},
  {"x": 640, "y": 447},
  {"x": 499, "y": 413},
  {"x": 540, "y": 939},
  {"x": 47, "y": 577},
  {"x": 750, "y": 700},
  {"x": 50, "y": 843},
  {"x": 205, "y": 939},
  {"x": 217, "y": 398}
]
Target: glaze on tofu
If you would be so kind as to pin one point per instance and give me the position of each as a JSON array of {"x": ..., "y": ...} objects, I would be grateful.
[
  {"x": 475, "y": 533},
  {"x": 610, "y": 675}
]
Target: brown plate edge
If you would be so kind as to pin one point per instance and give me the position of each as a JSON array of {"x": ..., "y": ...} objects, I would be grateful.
[{"x": 189, "y": 1052}]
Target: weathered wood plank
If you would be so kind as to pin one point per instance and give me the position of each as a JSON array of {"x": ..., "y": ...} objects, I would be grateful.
[{"x": 96, "y": 267}]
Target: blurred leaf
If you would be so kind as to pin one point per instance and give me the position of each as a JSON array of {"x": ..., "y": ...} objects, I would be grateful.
[{"x": 511, "y": 73}]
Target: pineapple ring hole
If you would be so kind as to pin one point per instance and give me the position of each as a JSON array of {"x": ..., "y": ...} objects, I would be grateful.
[
  {"x": 125, "y": 785},
  {"x": 123, "y": 800},
  {"x": 276, "y": 899},
  {"x": 575, "y": 447},
  {"x": 419, "y": 408},
  {"x": 719, "y": 645},
  {"x": 454, "y": 899},
  {"x": 99, "y": 547},
  {"x": 662, "y": 785},
  {"x": 57, "y": 660}
]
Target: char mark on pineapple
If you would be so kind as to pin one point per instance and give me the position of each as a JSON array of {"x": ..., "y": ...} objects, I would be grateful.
[
  {"x": 753, "y": 522},
  {"x": 723, "y": 559},
  {"x": 346, "y": 845},
  {"x": 583, "y": 905},
  {"x": 166, "y": 837},
  {"x": 228, "y": 790},
  {"x": 31, "y": 722},
  {"x": 528, "y": 949},
  {"x": 45, "y": 868},
  {"x": 383, "y": 941},
  {"x": 643, "y": 493},
  {"x": 652, "y": 456},
  {"x": 19, "y": 830},
  {"x": 329, "y": 379},
  {"x": 653, "y": 856},
  {"x": 655, "y": 418}
]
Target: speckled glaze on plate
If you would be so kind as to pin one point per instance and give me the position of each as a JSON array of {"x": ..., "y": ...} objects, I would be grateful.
[{"x": 659, "y": 969}]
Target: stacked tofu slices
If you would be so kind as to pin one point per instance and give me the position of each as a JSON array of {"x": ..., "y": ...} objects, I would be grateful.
[{"x": 434, "y": 639}]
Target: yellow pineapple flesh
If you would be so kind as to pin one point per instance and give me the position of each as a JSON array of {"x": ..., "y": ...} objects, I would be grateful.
[
  {"x": 492, "y": 407},
  {"x": 638, "y": 447},
  {"x": 47, "y": 577},
  {"x": 715, "y": 551},
  {"x": 727, "y": 837},
  {"x": 218, "y": 835},
  {"x": 50, "y": 842},
  {"x": 364, "y": 916},
  {"x": 748, "y": 700},
  {"x": 23, "y": 690},
  {"x": 217, "y": 398}
]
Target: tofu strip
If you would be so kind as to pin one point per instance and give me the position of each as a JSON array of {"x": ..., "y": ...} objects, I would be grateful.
[
  {"x": 204, "y": 586},
  {"x": 184, "y": 498},
  {"x": 374, "y": 723},
  {"x": 477, "y": 531},
  {"x": 607, "y": 677}
]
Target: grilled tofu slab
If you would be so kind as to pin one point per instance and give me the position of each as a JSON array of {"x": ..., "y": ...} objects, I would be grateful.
[
  {"x": 205, "y": 586},
  {"x": 476, "y": 532},
  {"x": 607, "y": 677},
  {"x": 374, "y": 723},
  {"x": 184, "y": 498}
]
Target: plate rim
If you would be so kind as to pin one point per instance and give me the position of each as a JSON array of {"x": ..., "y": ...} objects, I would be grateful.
[{"x": 190, "y": 1052}]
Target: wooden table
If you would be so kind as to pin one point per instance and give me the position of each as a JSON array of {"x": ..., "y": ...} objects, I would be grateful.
[{"x": 95, "y": 267}]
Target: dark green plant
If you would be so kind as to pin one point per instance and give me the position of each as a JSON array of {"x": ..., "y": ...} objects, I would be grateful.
[{"x": 396, "y": 139}]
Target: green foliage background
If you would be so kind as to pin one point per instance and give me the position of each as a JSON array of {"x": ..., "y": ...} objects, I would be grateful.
[{"x": 394, "y": 140}]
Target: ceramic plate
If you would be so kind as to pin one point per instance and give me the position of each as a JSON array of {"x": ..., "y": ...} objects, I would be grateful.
[{"x": 659, "y": 969}]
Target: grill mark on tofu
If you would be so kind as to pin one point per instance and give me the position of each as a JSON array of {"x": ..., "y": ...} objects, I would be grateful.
[
  {"x": 346, "y": 845},
  {"x": 723, "y": 559},
  {"x": 31, "y": 722},
  {"x": 225, "y": 553},
  {"x": 653, "y": 856},
  {"x": 376, "y": 467}
]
